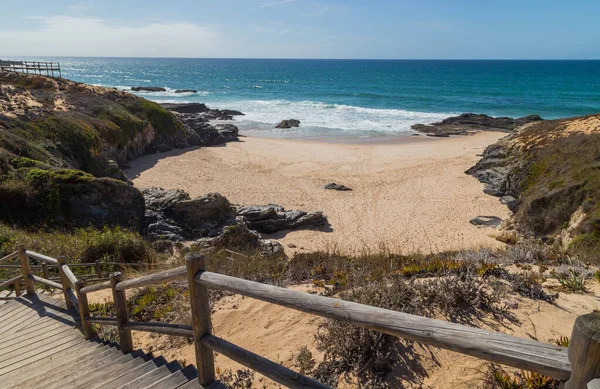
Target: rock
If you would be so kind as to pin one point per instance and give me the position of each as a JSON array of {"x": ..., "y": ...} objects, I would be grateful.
[
  {"x": 186, "y": 91},
  {"x": 334, "y": 186},
  {"x": 288, "y": 123},
  {"x": 486, "y": 221},
  {"x": 509, "y": 201},
  {"x": 202, "y": 110},
  {"x": 468, "y": 123},
  {"x": 291, "y": 245},
  {"x": 272, "y": 218},
  {"x": 204, "y": 215},
  {"x": 161, "y": 148},
  {"x": 228, "y": 132},
  {"x": 148, "y": 89}
]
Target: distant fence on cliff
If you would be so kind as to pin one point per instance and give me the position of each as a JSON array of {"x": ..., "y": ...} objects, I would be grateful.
[{"x": 49, "y": 69}]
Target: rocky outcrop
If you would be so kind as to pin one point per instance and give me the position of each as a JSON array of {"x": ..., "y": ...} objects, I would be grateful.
[
  {"x": 334, "y": 186},
  {"x": 468, "y": 123},
  {"x": 186, "y": 91},
  {"x": 202, "y": 111},
  {"x": 272, "y": 218},
  {"x": 208, "y": 134},
  {"x": 288, "y": 123},
  {"x": 148, "y": 89},
  {"x": 486, "y": 221},
  {"x": 211, "y": 221}
]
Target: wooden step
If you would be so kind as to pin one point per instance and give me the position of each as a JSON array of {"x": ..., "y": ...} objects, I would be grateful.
[
  {"x": 152, "y": 377},
  {"x": 42, "y": 344},
  {"x": 176, "y": 379},
  {"x": 31, "y": 357},
  {"x": 131, "y": 375}
]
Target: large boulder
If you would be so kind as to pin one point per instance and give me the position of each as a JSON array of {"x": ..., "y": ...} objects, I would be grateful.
[
  {"x": 202, "y": 110},
  {"x": 288, "y": 123},
  {"x": 272, "y": 218},
  {"x": 148, "y": 89},
  {"x": 469, "y": 122}
]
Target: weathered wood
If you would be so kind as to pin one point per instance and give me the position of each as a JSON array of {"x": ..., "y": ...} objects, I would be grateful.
[
  {"x": 84, "y": 310},
  {"x": 594, "y": 384},
  {"x": 10, "y": 256},
  {"x": 201, "y": 322},
  {"x": 98, "y": 268},
  {"x": 270, "y": 369},
  {"x": 69, "y": 273},
  {"x": 96, "y": 287},
  {"x": 120, "y": 301},
  {"x": 73, "y": 299},
  {"x": 42, "y": 257},
  {"x": 45, "y": 273},
  {"x": 26, "y": 269},
  {"x": 161, "y": 328},
  {"x": 167, "y": 275},
  {"x": 102, "y": 320},
  {"x": 47, "y": 282},
  {"x": 64, "y": 280},
  {"x": 496, "y": 347},
  {"x": 584, "y": 351},
  {"x": 17, "y": 287},
  {"x": 10, "y": 281}
]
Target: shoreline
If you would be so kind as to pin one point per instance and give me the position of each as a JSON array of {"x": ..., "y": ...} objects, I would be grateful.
[{"x": 406, "y": 197}]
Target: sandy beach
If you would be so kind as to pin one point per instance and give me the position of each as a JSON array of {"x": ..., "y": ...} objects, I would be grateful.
[{"x": 407, "y": 196}]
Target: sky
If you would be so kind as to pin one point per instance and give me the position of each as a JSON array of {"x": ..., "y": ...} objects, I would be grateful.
[{"x": 372, "y": 29}]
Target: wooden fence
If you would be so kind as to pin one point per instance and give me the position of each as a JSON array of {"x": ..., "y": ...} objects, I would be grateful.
[
  {"x": 577, "y": 367},
  {"x": 31, "y": 67}
]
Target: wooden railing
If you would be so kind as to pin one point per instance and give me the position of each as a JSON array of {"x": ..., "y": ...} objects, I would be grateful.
[
  {"x": 35, "y": 67},
  {"x": 578, "y": 367}
]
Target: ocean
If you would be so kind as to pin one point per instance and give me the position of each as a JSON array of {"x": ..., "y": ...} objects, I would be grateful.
[{"x": 354, "y": 98}]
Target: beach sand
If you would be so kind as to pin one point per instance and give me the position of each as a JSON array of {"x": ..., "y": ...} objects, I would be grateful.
[{"x": 407, "y": 196}]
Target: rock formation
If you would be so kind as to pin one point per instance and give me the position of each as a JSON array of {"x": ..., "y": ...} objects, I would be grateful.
[
  {"x": 334, "y": 186},
  {"x": 202, "y": 111},
  {"x": 468, "y": 123},
  {"x": 148, "y": 89},
  {"x": 186, "y": 91},
  {"x": 288, "y": 123}
]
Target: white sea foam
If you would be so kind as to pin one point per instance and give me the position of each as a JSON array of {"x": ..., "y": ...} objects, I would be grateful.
[
  {"x": 170, "y": 92},
  {"x": 321, "y": 119}
]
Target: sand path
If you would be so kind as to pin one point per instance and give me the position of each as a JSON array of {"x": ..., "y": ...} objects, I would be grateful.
[{"x": 406, "y": 196}]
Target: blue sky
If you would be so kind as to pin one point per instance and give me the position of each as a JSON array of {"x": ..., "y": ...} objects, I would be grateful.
[{"x": 411, "y": 29}]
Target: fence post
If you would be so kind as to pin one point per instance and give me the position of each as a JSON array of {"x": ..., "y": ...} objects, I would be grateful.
[
  {"x": 120, "y": 300},
  {"x": 98, "y": 269},
  {"x": 45, "y": 273},
  {"x": 84, "y": 310},
  {"x": 17, "y": 288},
  {"x": 26, "y": 269},
  {"x": 584, "y": 351},
  {"x": 64, "y": 280},
  {"x": 201, "y": 322}
]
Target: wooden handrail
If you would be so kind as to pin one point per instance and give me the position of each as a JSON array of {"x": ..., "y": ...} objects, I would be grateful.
[
  {"x": 42, "y": 257},
  {"x": 69, "y": 274},
  {"x": 96, "y": 287},
  {"x": 47, "y": 282},
  {"x": 274, "y": 371},
  {"x": 101, "y": 320},
  {"x": 492, "y": 346},
  {"x": 161, "y": 328},
  {"x": 10, "y": 256},
  {"x": 166, "y": 275},
  {"x": 11, "y": 281}
]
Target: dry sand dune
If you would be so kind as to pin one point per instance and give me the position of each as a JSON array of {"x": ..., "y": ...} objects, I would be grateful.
[{"x": 407, "y": 196}]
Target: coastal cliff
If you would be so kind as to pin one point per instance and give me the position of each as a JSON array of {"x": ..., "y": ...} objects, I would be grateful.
[{"x": 547, "y": 172}]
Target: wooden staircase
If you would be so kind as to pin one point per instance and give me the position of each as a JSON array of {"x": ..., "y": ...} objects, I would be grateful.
[{"x": 41, "y": 347}]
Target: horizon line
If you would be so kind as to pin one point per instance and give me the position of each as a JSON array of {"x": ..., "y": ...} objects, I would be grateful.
[{"x": 315, "y": 59}]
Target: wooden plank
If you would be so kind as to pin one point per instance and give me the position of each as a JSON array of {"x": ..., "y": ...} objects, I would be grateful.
[
  {"x": 84, "y": 310},
  {"x": 110, "y": 370},
  {"x": 69, "y": 273},
  {"x": 18, "y": 304},
  {"x": 10, "y": 256},
  {"x": 102, "y": 320},
  {"x": 32, "y": 337},
  {"x": 176, "y": 379},
  {"x": 56, "y": 363},
  {"x": 10, "y": 281},
  {"x": 18, "y": 320},
  {"x": 150, "y": 378},
  {"x": 584, "y": 351},
  {"x": 120, "y": 303},
  {"x": 201, "y": 323},
  {"x": 47, "y": 282},
  {"x": 64, "y": 280},
  {"x": 42, "y": 257},
  {"x": 163, "y": 276},
  {"x": 35, "y": 356},
  {"x": 26, "y": 270},
  {"x": 41, "y": 344},
  {"x": 114, "y": 381},
  {"x": 96, "y": 287},
  {"x": 274, "y": 371},
  {"x": 160, "y": 328},
  {"x": 491, "y": 346}
]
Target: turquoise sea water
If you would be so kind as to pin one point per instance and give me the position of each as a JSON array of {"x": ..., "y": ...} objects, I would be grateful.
[{"x": 339, "y": 98}]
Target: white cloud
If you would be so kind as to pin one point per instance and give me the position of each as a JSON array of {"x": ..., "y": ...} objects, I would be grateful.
[
  {"x": 274, "y": 3},
  {"x": 74, "y": 36}
]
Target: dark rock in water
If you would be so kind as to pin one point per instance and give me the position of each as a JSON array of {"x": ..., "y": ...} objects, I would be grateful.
[
  {"x": 486, "y": 221},
  {"x": 186, "y": 91},
  {"x": 148, "y": 89},
  {"x": 272, "y": 218},
  {"x": 288, "y": 123},
  {"x": 334, "y": 186},
  {"x": 203, "y": 110},
  {"x": 228, "y": 132},
  {"x": 186, "y": 108},
  {"x": 467, "y": 123}
]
